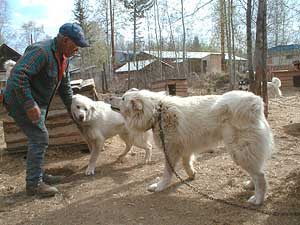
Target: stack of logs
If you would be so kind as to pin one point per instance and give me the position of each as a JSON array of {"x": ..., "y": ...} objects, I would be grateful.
[{"x": 62, "y": 130}]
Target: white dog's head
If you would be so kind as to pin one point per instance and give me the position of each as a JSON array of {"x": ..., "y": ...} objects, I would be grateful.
[
  {"x": 82, "y": 108},
  {"x": 138, "y": 107}
]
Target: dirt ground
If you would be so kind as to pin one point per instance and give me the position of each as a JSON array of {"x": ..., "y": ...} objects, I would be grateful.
[{"x": 117, "y": 194}]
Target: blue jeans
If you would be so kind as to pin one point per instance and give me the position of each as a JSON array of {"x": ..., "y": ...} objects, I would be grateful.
[{"x": 38, "y": 139}]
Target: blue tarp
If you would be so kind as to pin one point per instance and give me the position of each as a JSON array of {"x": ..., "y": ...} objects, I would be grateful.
[{"x": 284, "y": 48}]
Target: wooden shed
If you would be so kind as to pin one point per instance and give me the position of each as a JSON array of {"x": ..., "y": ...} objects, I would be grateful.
[
  {"x": 289, "y": 78},
  {"x": 62, "y": 130},
  {"x": 177, "y": 87}
]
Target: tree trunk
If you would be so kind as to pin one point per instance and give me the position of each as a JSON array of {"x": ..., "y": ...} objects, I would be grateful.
[
  {"x": 233, "y": 47},
  {"x": 261, "y": 53},
  {"x": 222, "y": 30},
  {"x": 183, "y": 40},
  {"x": 173, "y": 45},
  {"x": 249, "y": 45},
  {"x": 160, "y": 40},
  {"x": 228, "y": 38},
  {"x": 111, "y": 11}
]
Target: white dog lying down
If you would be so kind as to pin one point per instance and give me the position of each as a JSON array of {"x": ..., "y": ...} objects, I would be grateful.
[
  {"x": 99, "y": 122},
  {"x": 197, "y": 123}
]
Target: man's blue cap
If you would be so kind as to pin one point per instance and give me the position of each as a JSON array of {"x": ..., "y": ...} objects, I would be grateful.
[{"x": 75, "y": 33}]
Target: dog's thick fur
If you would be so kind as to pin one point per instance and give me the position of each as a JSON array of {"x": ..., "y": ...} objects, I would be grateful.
[
  {"x": 273, "y": 87},
  {"x": 197, "y": 123},
  {"x": 98, "y": 122}
]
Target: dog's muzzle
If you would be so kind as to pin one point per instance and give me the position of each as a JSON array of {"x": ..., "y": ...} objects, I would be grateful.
[{"x": 115, "y": 108}]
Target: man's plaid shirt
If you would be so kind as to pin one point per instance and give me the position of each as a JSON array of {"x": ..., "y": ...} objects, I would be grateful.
[{"x": 33, "y": 80}]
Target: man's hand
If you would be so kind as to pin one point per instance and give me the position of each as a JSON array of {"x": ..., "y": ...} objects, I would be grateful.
[{"x": 34, "y": 114}]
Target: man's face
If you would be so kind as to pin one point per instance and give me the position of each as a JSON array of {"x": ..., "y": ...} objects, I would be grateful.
[{"x": 69, "y": 47}]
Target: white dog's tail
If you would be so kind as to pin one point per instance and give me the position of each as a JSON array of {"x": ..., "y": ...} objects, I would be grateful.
[{"x": 276, "y": 81}]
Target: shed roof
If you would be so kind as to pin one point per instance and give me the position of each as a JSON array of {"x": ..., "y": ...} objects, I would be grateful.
[
  {"x": 189, "y": 55},
  {"x": 134, "y": 66},
  {"x": 138, "y": 65},
  {"x": 6, "y": 53}
]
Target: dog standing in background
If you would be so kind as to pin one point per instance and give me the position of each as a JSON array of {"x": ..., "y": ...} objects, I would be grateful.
[{"x": 273, "y": 86}]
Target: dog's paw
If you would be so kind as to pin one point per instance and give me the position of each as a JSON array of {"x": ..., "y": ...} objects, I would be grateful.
[
  {"x": 90, "y": 171},
  {"x": 156, "y": 187},
  {"x": 153, "y": 187},
  {"x": 254, "y": 200}
]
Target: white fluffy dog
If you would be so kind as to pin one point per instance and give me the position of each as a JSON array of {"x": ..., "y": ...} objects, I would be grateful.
[
  {"x": 274, "y": 87},
  {"x": 197, "y": 123},
  {"x": 8, "y": 65},
  {"x": 99, "y": 122}
]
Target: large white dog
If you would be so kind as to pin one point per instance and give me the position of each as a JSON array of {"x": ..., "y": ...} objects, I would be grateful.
[
  {"x": 99, "y": 122},
  {"x": 197, "y": 123}
]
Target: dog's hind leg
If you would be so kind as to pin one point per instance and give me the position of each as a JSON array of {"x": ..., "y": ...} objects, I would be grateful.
[
  {"x": 121, "y": 158},
  {"x": 188, "y": 164},
  {"x": 96, "y": 147},
  {"x": 245, "y": 157},
  {"x": 171, "y": 160},
  {"x": 260, "y": 186}
]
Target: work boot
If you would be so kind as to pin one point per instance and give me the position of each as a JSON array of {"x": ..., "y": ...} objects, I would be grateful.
[
  {"x": 51, "y": 179},
  {"x": 42, "y": 190}
]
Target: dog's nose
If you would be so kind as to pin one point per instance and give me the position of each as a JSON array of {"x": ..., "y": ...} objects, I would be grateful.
[{"x": 81, "y": 117}]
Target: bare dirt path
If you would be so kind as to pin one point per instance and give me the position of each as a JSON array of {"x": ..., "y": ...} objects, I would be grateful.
[{"x": 117, "y": 194}]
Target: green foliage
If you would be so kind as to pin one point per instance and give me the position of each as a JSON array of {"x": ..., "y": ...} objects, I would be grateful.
[{"x": 81, "y": 14}]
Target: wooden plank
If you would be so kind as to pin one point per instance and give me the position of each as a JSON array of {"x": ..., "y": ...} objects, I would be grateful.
[{"x": 158, "y": 86}]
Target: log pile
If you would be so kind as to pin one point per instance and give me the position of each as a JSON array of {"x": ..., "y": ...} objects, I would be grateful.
[{"x": 62, "y": 130}]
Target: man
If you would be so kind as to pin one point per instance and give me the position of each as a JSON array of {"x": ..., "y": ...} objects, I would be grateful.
[{"x": 41, "y": 71}]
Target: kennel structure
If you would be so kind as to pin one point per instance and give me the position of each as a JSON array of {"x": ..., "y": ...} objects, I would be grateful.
[
  {"x": 289, "y": 78},
  {"x": 63, "y": 133},
  {"x": 177, "y": 87}
]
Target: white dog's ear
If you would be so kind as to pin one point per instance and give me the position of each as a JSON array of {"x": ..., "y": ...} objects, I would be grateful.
[
  {"x": 137, "y": 104},
  {"x": 93, "y": 107}
]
